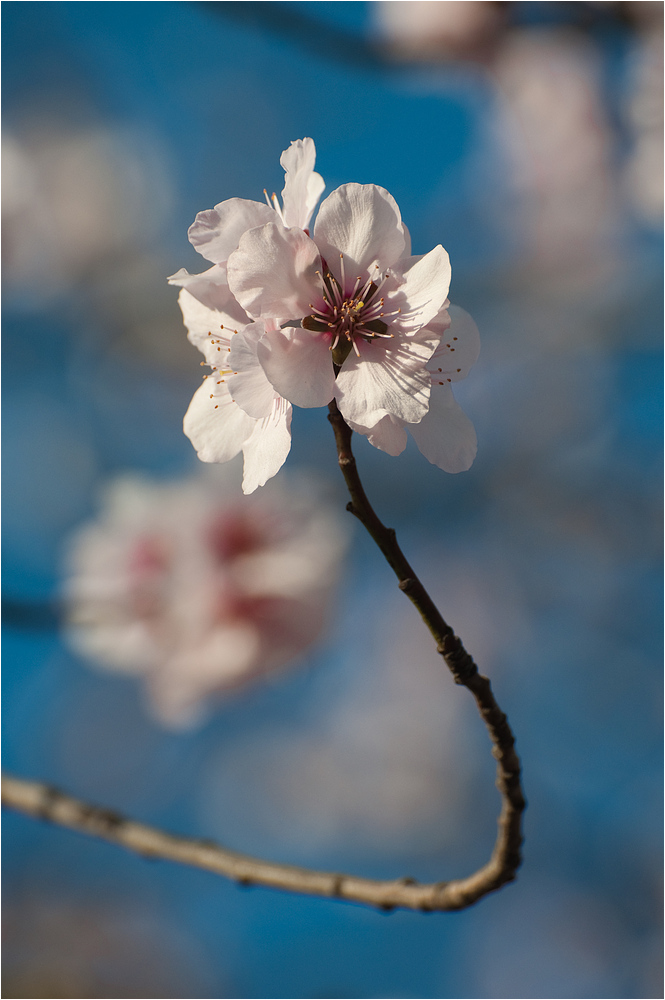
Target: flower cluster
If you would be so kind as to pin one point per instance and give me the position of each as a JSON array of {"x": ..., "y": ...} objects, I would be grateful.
[
  {"x": 287, "y": 316},
  {"x": 198, "y": 591}
]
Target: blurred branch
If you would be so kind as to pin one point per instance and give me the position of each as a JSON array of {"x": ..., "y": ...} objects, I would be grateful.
[
  {"x": 38, "y": 616},
  {"x": 327, "y": 39},
  {"x": 506, "y": 856},
  {"x": 47, "y": 803},
  {"x": 367, "y": 50}
]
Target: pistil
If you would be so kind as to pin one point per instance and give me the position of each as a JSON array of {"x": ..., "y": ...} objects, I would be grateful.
[{"x": 349, "y": 316}]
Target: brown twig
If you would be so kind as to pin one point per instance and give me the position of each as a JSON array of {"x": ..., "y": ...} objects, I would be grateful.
[
  {"x": 506, "y": 856},
  {"x": 45, "y": 802}
]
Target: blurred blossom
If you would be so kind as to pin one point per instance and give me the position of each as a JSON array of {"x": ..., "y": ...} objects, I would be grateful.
[
  {"x": 198, "y": 590},
  {"x": 76, "y": 948},
  {"x": 561, "y": 144},
  {"x": 431, "y": 29},
  {"x": 74, "y": 200}
]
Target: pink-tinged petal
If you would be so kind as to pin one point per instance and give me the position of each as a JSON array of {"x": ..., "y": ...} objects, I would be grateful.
[
  {"x": 303, "y": 187},
  {"x": 217, "y": 427},
  {"x": 273, "y": 272},
  {"x": 208, "y": 329},
  {"x": 422, "y": 289},
  {"x": 249, "y": 386},
  {"x": 299, "y": 365},
  {"x": 388, "y": 435},
  {"x": 216, "y": 232},
  {"x": 211, "y": 288},
  {"x": 458, "y": 350},
  {"x": 389, "y": 377},
  {"x": 445, "y": 435},
  {"x": 363, "y": 222},
  {"x": 266, "y": 450},
  {"x": 441, "y": 321}
]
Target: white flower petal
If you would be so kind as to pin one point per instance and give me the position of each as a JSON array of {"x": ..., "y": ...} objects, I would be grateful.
[
  {"x": 445, "y": 435},
  {"x": 209, "y": 329},
  {"x": 299, "y": 365},
  {"x": 249, "y": 386},
  {"x": 273, "y": 272},
  {"x": 266, "y": 450},
  {"x": 303, "y": 187},
  {"x": 388, "y": 435},
  {"x": 389, "y": 377},
  {"x": 216, "y": 232},
  {"x": 363, "y": 222},
  {"x": 217, "y": 427},
  {"x": 423, "y": 289},
  {"x": 211, "y": 288},
  {"x": 441, "y": 321},
  {"x": 459, "y": 349},
  {"x": 406, "y": 252}
]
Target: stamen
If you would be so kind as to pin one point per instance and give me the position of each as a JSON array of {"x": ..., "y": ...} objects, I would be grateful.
[
  {"x": 382, "y": 282},
  {"x": 277, "y": 207}
]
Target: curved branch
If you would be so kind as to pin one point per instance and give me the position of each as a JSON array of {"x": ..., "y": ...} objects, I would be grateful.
[
  {"x": 506, "y": 856},
  {"x": 45, "y": 802}
]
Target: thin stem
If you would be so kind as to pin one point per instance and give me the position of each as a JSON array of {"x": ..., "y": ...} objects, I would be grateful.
[
  {"x": 506, "y": 856},
  {"x": 47, "y": 803}
]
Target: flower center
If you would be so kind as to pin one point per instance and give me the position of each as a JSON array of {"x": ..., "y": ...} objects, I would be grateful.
[{"x": 349, "y": 316}]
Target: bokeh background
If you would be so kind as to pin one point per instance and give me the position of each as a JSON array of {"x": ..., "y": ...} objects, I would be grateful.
[{"x": 527, "y": 138}]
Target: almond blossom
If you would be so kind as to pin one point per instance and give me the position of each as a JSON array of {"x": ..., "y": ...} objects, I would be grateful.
[
  {"x": 345, "y": 313},
  {"x": 198, "y": 592},
  {"x": 354, "y": 306},
  {"x": 244, "y": 412}
]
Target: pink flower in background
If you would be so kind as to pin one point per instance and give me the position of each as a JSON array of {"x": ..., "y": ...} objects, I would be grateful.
[
  {"x": 196, "y": 592},
  {"x": 346, "y": 313}
]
